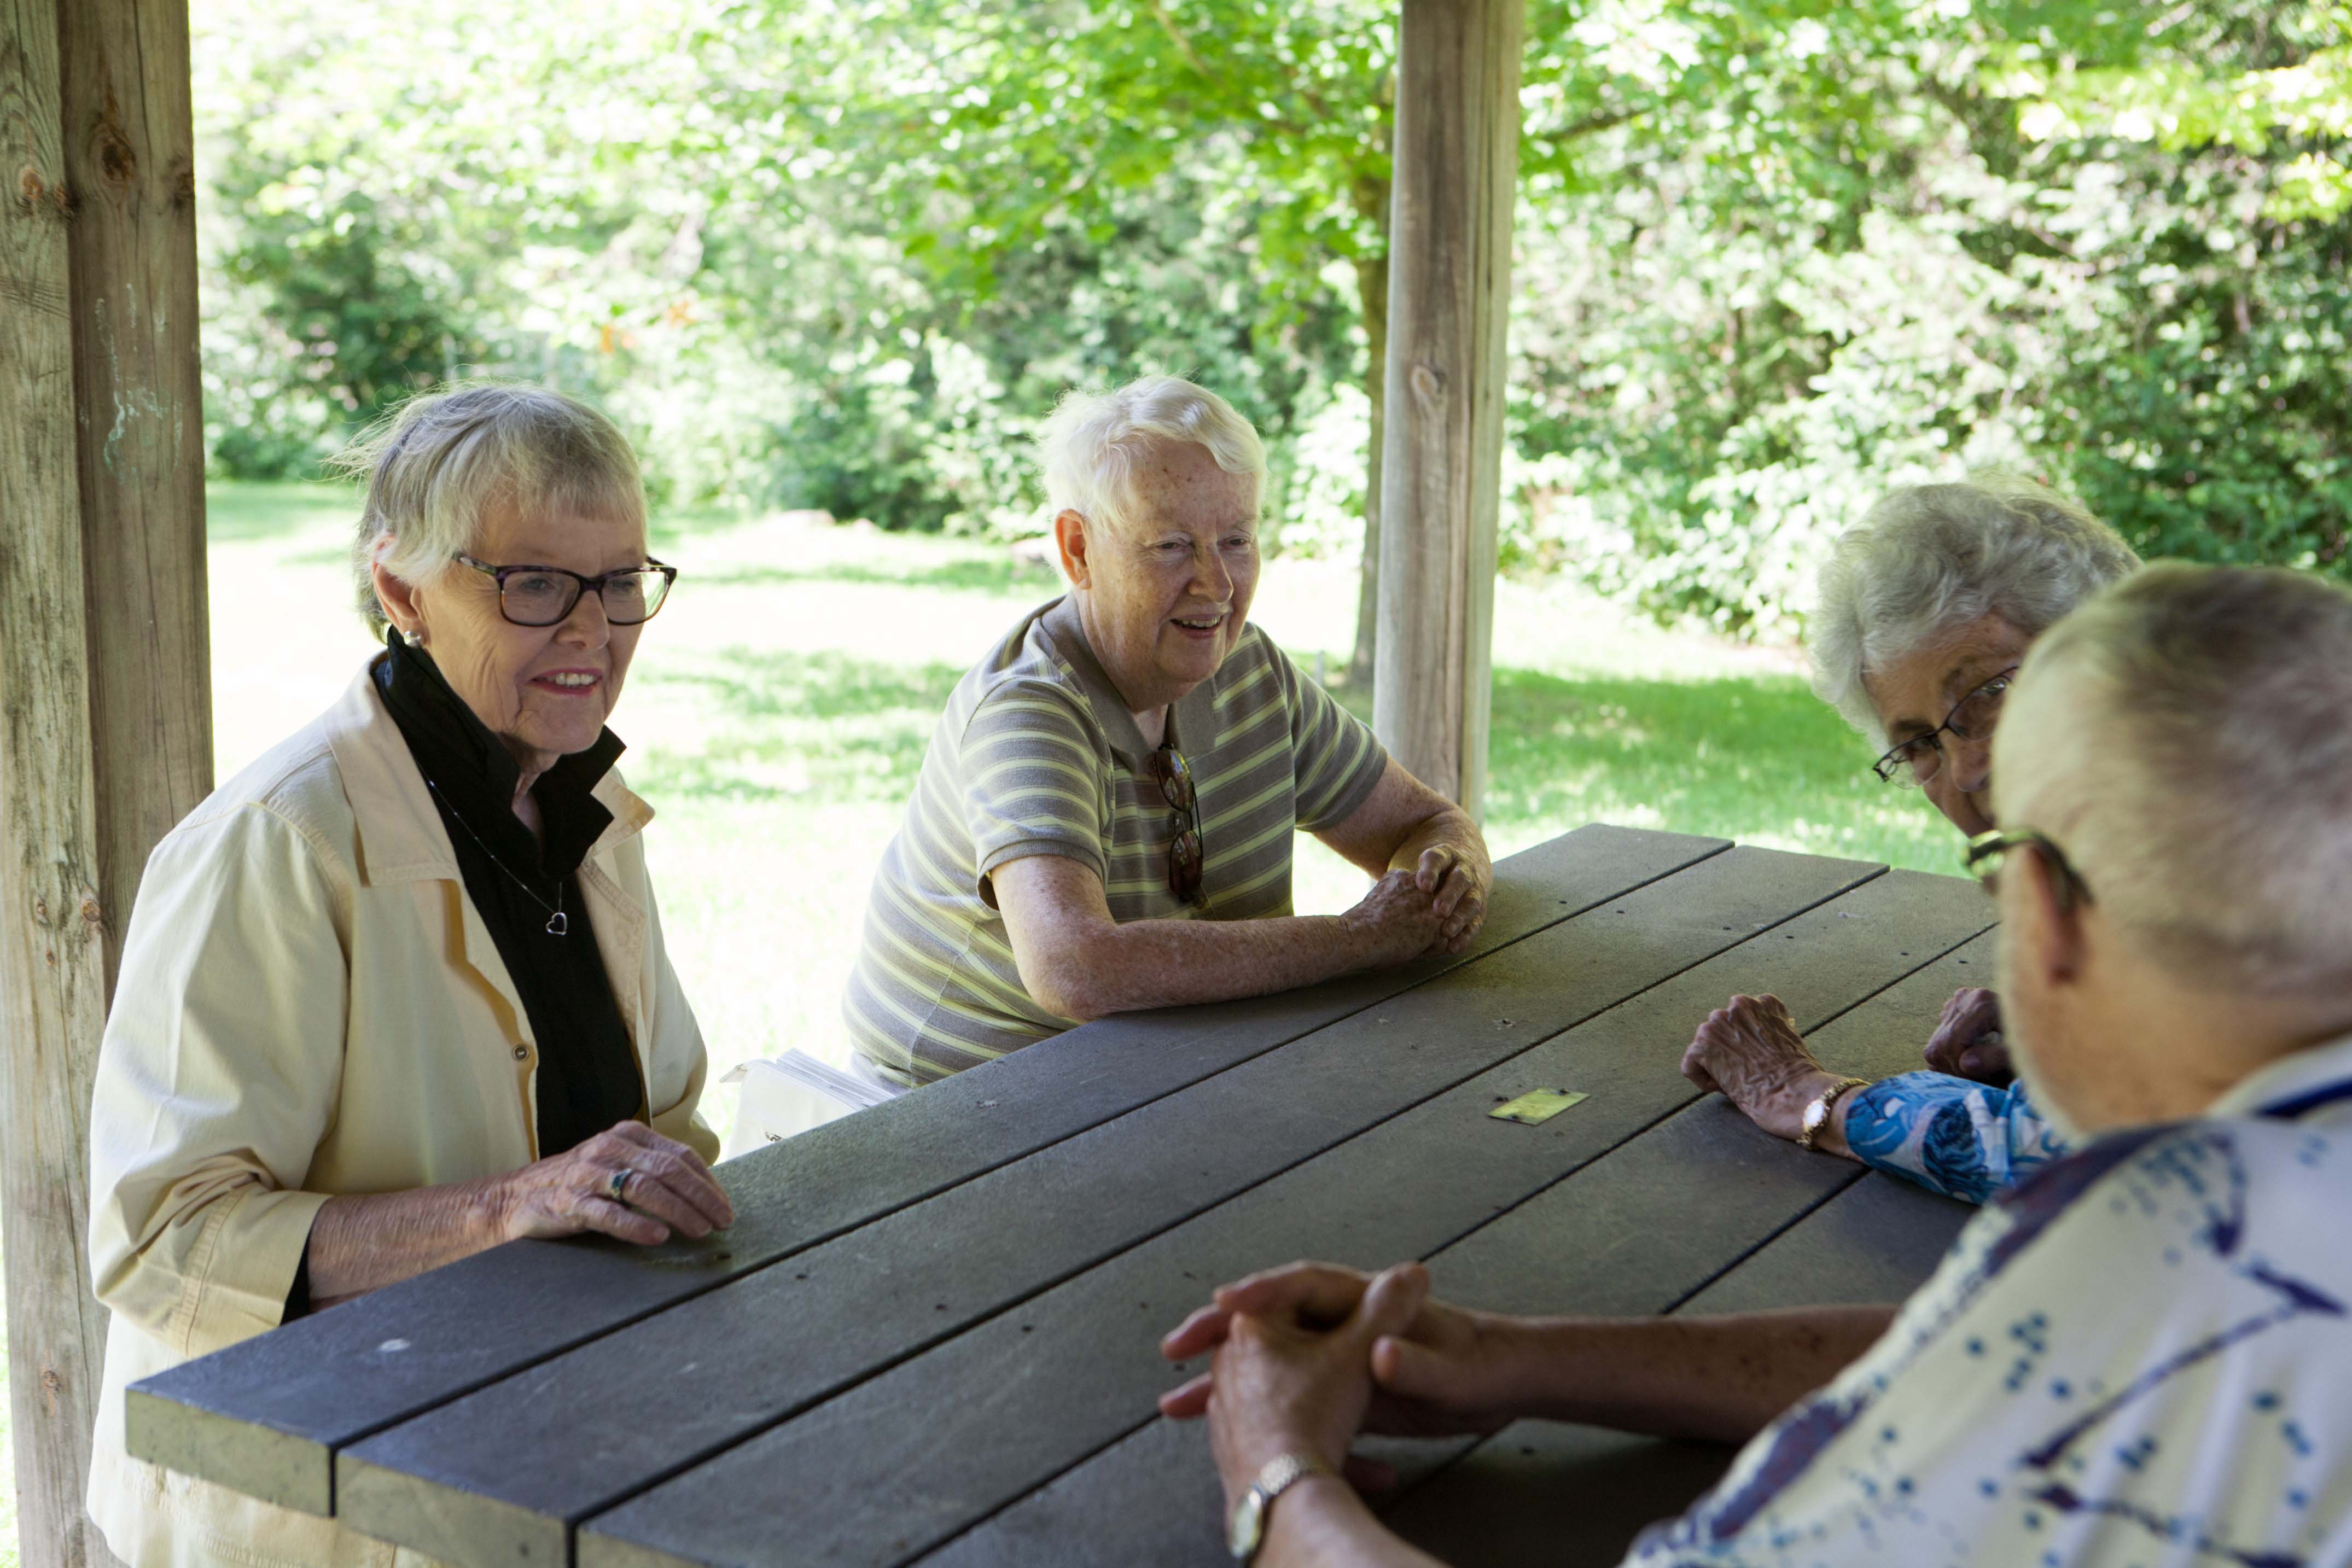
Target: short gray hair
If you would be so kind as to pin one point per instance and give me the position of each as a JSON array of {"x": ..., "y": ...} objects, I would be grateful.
[
  {"x": 1927, "y": 559},
  {"x": 1090, "y": 446},
  {"x": 2209, "y": 803},
  {"x": 434, "y": 466}
]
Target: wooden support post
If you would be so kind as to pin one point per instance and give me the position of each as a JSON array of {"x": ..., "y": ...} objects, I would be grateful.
[
  {"x": 1456, "y": 174},
  {"x": 105, "y": 688}
]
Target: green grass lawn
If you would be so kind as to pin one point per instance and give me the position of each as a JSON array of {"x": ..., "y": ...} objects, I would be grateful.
[{"x": 780, "y": 707}]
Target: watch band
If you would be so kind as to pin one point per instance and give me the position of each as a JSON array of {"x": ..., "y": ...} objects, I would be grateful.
[
  {"x": 1817, "y": 1114},
  {"x": 1245, "y": 1532}
]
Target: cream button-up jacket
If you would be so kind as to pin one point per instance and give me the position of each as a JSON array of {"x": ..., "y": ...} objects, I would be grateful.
[{"x": 310, "y": 1006}]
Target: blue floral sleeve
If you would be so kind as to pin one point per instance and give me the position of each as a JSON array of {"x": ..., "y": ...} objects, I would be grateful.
[{"x": 1953, "y": 1136}]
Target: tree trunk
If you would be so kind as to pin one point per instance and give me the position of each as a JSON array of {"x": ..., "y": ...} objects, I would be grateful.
[
  {"x": 1372, "y": 298},
  {"x": 105, "y": 704}
]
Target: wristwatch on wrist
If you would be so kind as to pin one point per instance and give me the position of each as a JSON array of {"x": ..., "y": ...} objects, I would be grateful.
[
  {"x": 1245, "y": 1532},
  {"x": 1817, "y": 1114}
]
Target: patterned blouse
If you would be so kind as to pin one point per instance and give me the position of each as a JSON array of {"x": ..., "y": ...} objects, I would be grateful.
[
  {"x": 1953, "y": 1136},
  {"x": 2140, "y": 1357}
]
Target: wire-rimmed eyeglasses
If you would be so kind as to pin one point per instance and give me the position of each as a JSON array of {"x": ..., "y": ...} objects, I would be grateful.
[
  {"x": 1917, "y": 759},
  {"x": 544, "y": 595},
  {"x": 1983, "y": 857}
]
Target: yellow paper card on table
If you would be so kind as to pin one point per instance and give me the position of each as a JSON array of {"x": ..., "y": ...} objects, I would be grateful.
[{"x": 1538, "y": 1105}]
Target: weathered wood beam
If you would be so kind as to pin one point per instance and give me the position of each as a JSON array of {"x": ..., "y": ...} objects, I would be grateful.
[
  {"x": 1456, "y": 173},
  {"x": 105, "y": 705}
]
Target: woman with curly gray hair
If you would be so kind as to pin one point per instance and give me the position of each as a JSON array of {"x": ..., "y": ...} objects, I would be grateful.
[{"x": 1927, "y": 608}]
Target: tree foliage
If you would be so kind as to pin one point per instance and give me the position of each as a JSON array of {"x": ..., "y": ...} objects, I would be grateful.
[{"x": 1774, "y": 254}]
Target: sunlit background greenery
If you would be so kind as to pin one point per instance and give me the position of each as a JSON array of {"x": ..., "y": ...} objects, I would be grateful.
[
  {"x": 1773, "y": 255},
  {"x": 835, "y": 261}
]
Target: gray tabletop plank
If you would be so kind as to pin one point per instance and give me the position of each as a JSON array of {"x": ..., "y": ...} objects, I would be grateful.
[
  {"x": 495, "y": 1479},
  {"x": 898, "y": 1464},
  {"x": 1153, "y": 1498},
  {"x": 265, "y": 1417},
  {"x": 1887, "y": 1236}
]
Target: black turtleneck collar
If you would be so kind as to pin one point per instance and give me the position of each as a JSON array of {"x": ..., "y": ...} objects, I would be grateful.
[
  {"x": 587, "y": 1078},
  {"x": 475, "y": 774}
]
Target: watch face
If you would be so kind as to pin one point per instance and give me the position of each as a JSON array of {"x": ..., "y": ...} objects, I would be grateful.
[{"x": 1248, "y": 1524}]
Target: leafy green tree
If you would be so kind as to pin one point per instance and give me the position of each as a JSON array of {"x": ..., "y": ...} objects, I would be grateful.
[
  {"x": 1774, "y": 254},
  {"x": 1725, "y": 358},
  {"x": 990, "y": 136}
]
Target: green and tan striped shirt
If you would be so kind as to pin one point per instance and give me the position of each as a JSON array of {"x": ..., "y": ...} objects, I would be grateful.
[{"x": 1037, "y": 754}]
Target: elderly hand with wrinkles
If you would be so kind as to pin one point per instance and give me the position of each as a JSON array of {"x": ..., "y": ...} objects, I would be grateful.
[
  {"x": 628, "y": 1182},
  {"x": 1750, "y": 1049},
  {"x": 1456, "y": 881},
  {"x": 1308, "y": 1355},
  {"x": 1966, "y": 1042}
]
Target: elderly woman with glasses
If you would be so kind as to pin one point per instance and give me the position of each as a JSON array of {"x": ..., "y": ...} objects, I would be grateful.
[
  {"x": 397, "y": 992},
  {"x": 1105, "y": 818},
  {"x": 1927, "y": 609}
]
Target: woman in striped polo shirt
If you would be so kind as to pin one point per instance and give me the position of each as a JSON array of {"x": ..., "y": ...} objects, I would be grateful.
[{"x": 1105, "y": 815}]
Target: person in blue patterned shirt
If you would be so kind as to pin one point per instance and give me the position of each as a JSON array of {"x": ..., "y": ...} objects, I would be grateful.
[
  {"x": 1926, "y": 609},
  {"x": 2141, "y": 1356}
]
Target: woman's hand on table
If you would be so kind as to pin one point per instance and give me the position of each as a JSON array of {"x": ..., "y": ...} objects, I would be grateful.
[
  {"x": 1456, "y": 884},
  {"x": 362, "y": 1242},
  {"x": 1966, "y": 1042},
  {"x": 668, "y": 1188},
  {"x": 1438, "y": 1372},
  {"x": 1750, "y": 1049},
  {"x": 1397, "y": 921}
]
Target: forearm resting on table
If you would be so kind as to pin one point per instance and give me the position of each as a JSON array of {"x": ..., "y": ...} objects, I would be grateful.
[
  {"x": 1717, "y": 1379},
  {"x": 1720, "y": 1379},
  {"x": 363, "y": 1244},
  {"x": 1115, "y": 968}
]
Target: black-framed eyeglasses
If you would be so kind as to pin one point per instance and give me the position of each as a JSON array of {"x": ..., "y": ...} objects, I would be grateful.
[
  {"x": 544, "y": 595},
  {"x": 1983, "y": 857},
  {"x": 1917, "y": 759},
  {"x": 1184, "y": 855}
]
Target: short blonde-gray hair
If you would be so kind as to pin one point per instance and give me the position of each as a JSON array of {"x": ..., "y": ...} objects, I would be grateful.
[
  {"x": 434, "y": 466},
  {"x": 1090, "y": 446},
  {"x": 1929, "y": 558},
  {"x": 2204, "y": 789}
]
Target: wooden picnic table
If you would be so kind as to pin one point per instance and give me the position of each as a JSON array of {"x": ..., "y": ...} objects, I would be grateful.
[{"x": 931, "y": 1334}]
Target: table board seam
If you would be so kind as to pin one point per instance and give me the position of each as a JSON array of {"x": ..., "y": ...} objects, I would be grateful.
[{"x": 1851, "y": 1179}]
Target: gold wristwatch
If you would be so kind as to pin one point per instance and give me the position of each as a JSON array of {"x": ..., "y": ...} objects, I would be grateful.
[
  {"x": 1245, "y": 1532},
  {"x": 1817, "y": 1114}
]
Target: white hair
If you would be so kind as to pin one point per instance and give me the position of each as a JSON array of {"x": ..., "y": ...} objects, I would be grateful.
[
  {"x": 1927, "y": 559},
  {"x": 2203, "y": 783},
  {"x": 437, "y": 463},
  {"x": 1090, "y": 447}
]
